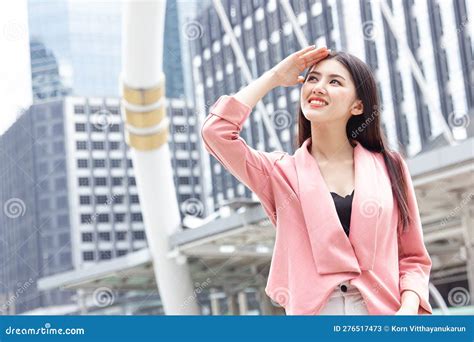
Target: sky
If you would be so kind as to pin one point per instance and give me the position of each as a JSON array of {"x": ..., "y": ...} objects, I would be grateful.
[{"x": 15, "y": 74}]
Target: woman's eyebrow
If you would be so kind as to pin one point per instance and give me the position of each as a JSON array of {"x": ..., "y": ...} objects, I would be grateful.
[{"x": 332, "y": 75}]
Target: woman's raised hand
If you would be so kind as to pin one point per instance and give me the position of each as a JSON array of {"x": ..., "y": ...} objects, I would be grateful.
[{"x": 287, "y": 72}]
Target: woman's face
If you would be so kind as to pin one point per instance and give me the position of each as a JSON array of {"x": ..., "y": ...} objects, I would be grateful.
[{"x": 329, "y": 94}]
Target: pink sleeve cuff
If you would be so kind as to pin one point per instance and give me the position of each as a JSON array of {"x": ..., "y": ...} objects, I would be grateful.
[
  {"x": 231, "y": 109},
  {"x": 417, "y": 286}
]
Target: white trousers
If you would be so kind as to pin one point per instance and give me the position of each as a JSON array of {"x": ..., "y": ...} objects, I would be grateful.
[{"x": 345, "y": 300}]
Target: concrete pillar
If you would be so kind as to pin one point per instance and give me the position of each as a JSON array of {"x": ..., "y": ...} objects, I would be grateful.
[
  {"x": 243, "y": 307},
  {"x": 215, "y": 306},
  {"x": 232, "y": 303}
]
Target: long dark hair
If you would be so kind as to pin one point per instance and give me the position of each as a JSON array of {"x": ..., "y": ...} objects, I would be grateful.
[{"x": 366, "y": 129}]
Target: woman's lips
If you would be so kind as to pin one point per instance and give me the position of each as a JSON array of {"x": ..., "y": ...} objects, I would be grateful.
[{"x": 316, "y": 105}]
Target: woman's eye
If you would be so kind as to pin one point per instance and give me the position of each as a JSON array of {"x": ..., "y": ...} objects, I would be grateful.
[{"x": 314, "y": 78}]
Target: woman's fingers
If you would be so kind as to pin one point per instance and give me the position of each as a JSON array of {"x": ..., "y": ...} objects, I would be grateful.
[
  {"x": 304, "y": 50},
  {"x": 314, "y": 53},
  {"x": 314, "y": 56}
]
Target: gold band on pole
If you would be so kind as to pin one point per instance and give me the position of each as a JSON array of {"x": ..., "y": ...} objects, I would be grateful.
[
  {"x": 143, "y": 96},
  {"x": 145, "y": 119},
  {"x": 148, "y": 142}
]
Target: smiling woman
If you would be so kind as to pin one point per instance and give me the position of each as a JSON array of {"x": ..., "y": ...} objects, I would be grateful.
[{"x": 359, "y": 252}]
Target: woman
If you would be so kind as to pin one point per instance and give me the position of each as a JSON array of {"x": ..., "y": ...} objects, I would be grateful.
[{"x": 348, "y": 232}]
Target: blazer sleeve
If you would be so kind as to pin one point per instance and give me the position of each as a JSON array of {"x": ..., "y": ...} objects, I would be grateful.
[
  {"x": 414, "y": 260},
  {"x": 221, "y": 135}
]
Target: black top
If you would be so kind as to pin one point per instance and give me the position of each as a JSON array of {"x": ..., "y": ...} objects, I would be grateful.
[{"x": 344, "y": 208}]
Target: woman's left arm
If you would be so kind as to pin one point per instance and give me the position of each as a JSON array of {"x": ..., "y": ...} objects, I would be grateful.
[
  {"x": 414, "y": 260},
  {"x": 410, "y": 303}
]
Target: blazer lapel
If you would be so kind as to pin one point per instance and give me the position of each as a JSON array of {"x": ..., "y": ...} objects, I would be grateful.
[{"x": 333, "y": 251}]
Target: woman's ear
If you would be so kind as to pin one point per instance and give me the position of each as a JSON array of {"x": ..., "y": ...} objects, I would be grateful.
[{"x": 357, "y": 108}]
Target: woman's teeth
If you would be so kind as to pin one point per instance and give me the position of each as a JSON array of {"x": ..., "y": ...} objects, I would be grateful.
[{"x": 317, "y": 102}]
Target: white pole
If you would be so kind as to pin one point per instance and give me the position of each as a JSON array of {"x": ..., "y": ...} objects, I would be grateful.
[{"x": 143, "y": 103}]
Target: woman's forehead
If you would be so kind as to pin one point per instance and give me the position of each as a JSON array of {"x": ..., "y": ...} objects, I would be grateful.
[{"x": 330, "y": 66}]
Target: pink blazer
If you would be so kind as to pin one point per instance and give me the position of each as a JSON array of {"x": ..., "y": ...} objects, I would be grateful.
[{"x": 312, "y": 254}]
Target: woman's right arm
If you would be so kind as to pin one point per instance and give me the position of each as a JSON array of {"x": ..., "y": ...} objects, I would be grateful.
[{"x": 221, "y": 128}]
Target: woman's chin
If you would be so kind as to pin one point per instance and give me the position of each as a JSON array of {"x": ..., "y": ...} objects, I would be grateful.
[{"x": 316, "y": 115}]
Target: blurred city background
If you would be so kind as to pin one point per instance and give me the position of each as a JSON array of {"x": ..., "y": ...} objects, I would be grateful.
[{"x": 72, "y": 236}]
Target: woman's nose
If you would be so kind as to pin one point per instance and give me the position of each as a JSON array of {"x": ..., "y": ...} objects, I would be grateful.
[{"x": 319, "y": 90}]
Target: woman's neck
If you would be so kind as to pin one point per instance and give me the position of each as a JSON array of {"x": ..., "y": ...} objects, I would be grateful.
[{"x": 330, "y": 143}]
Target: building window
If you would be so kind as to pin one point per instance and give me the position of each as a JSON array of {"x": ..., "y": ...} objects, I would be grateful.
[
  {"x": 60, "y": 184},
  {"x": 122, "y": 252},
  {"x": 86, "y": 218},
  {"x": 94, "y": 109},
  {"x": 114, "y": 128},
  {"x": 105, "y": 255},
  {"x": 117, "y": 181},
  {"x": 137, "y": 217},
  {"x": 130, "y": 163},
  {"x": 43, "y": 168},
  {"x": 83, "y": 181},
  {"x": 80, "y": 127},
  {"x": 139, "y": 235},
  {"x": 63, "y": 221},
  {"x": 58, "y": 147},
  {"x": 58, "y": 129},
  {"x": 131, "y": 181},
  {"x": 104, "y": 236},
  {"x": 82, "y": 163},
  {"x": 87, "y": 237},
  {"x": 84, "y": 200},
  {"x": 79, "y": 109},
  {"x": 99, "y": 162},
  {"x": 61, "y": 202},
  {"x": 118, "y": 199},
  {"x": 98, "y": 145},
  {"x": 134, "y": 199},
  {"x": 114, "y": 145},
  {"x": 101, "y": 199},
  {"x": 81, "y": 145},
  {"x": 87, "y": 256},
  {"x": 44, "y": 204},
  {"x": 116, "y": 163},
  {"x": 119, "y": 217},
  {"x": 103, "y": 218},
  {"x": 120, "y": 236},
  {"x": 100, "y": 181}
]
